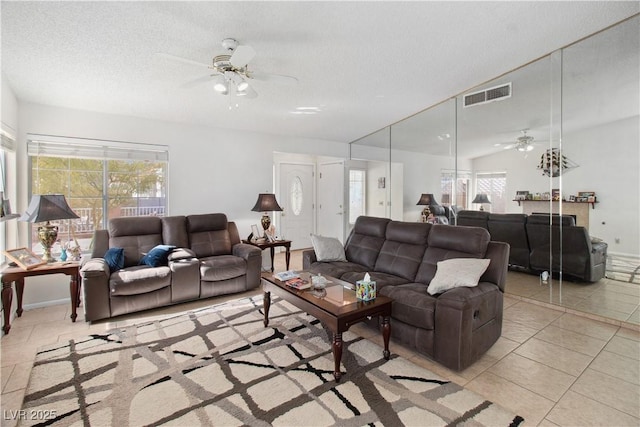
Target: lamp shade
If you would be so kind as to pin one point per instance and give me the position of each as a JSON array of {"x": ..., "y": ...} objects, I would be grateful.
[
  {"x": 481, "y": 198},
  {"x": 427, "y": 199},
  {"x": 48, "y": 207},
  {"x": 266, "y": 203}
]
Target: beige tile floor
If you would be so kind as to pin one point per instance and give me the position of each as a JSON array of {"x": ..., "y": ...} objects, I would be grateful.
[{"x": 551, "y": 365}]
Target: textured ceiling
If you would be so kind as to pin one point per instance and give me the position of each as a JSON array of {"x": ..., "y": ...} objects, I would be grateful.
[{"x": 362, "y": 65}]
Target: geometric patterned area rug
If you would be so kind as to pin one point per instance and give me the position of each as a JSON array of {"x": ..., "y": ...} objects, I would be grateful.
[{"x": 220, "y": 366}]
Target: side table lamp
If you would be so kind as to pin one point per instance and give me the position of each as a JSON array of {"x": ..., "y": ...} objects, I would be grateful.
[
  {"x": 427, "y": 200},
  {"x": 266, "y": 203},
  {"x": 481, "y": 198},
  {"x": 48, "y": 207}
]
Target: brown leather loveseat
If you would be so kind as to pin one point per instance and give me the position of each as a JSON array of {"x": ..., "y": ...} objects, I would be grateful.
[
  {"x": 206, "y": 259},
  {"x": 454, "y": 327}
]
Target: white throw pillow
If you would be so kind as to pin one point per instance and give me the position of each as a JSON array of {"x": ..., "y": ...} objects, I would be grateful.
[
  {"x": 327, "y": 248},
  {"x": 457, "y": 272}
]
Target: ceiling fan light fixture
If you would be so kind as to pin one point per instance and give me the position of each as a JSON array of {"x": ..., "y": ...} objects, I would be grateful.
[
  {"x": 221, "y": 85},
  {"x": 242, "y": 86}
]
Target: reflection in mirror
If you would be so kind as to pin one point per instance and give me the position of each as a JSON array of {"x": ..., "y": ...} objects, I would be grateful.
[
  {"x": 600, "y": 132},
  {"x": 579, "y": 106},
  {"x": 426, "y": 144}
]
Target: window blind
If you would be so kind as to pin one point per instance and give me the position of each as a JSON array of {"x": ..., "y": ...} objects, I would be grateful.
[
  {"x": 7, "y": 143},
  {"x": 59, "y": 146}
]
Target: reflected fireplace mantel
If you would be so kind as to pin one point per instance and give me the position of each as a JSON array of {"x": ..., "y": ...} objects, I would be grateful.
[{"x": 578, "y": 209}]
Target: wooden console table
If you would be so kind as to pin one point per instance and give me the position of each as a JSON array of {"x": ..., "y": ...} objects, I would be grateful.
[
  {"x": 17, "y": 275},
  {"x": 272, "y": 245}
]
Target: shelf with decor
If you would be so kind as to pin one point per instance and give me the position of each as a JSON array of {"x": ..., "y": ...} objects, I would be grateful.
[{"x": 556, "y": 201}]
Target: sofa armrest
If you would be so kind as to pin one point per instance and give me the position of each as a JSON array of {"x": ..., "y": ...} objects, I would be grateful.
[
  {"x": 308, "y": 258},
  {"x": 181, "y": 253},
  {"x": 467, "y": 323},
  {"x": 253, "y": 256},
  {"x": 185, "y": 275},
  {"x": 95, "y": 275},
  {"x": 246, "y": 251}
]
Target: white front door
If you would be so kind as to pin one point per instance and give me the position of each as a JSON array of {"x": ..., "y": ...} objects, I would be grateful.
[
  {"x": 331, "y": 199},
  {"x": 296, "y": 198}
]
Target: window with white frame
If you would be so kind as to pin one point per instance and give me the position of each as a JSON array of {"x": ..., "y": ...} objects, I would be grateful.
[
  {"x": 494, "y": 185},
  {"x": 357, "y": 195},
  {"x": 7, "y": 188},
  {"x": 455, "y": 188},
  {"x": 100, "y": 180}
]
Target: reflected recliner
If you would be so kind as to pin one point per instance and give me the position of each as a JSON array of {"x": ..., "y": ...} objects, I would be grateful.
[
  {"x": 533, "y": 239},
  {"x": 580, "y": 257}
]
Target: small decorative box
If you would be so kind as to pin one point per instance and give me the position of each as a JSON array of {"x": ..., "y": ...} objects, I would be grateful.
[{"x": 365, "y": 290}]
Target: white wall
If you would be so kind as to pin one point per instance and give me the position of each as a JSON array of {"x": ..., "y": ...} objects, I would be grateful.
[
  {"x": 9, "y": 123},
  {"x": 609, "y": 164},
  {"x": 210, "y": 170}
]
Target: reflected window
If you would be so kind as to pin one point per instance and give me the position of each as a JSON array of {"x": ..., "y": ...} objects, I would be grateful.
[
  {"x": 455, "y": 196},
  {"x": 494, "y": 185},
  {"x": 356, "y": 194},
  {"x": 296, "y": 195}
]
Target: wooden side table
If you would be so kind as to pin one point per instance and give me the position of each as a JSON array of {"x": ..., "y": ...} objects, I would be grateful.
[
  {"x": 17, "y": 275},
  {"x": 272, "y": 245}
]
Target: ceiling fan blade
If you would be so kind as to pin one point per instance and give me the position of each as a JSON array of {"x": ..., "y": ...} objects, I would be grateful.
[
  {"x": 198, "y": 81},
  {"x": 276, "y": 78},
  {"x": 183, "y": 60},
  {"x": 242, "y": 56}
]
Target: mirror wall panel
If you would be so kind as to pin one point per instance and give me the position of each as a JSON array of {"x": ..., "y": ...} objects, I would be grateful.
[
  {"x": 580, "y": 102},
  {"x": 601, "y": 134}
]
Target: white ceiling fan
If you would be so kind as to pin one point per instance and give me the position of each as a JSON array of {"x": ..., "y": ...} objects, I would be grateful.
[
  {"x": 231, "y": 70},
  {"x": 522, "y": 143}
]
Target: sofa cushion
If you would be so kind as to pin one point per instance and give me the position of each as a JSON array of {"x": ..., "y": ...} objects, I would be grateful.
[
  {"x": 114, "y": 259},
  {"x": 222, "y": 267},
  {"x": 136, "y": 235},
  {"x": 327, "y": 248},
  {"x": 403, "y": 249},
  {"x": 457, "y": 272},
  {"x": 381, "y": 279},
  {"x": 336, "y": 269},
  {"x": 139, "y": 280},
  {"x": 157, "y": 256},
  {"x": 174, "y": 231},
  {"x": 446, "y": 242},
  {"x": 209, "y": 235},
  {"x": 412, "y": 305},
  {"x": 365, "y": 241}
]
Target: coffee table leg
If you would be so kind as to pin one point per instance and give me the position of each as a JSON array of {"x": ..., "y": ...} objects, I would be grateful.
[
  {"x": 267, "y": 303},
  {"x": 337, "y": 355},
  {"x": 386, "y": 333}
]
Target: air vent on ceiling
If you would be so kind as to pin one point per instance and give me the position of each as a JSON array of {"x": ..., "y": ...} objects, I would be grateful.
[{"x": 488, "y": 95}]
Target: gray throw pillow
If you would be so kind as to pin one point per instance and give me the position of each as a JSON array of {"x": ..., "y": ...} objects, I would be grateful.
[
  {"x": 457, "y": 272},
  {"x": 327, "y": 248}
]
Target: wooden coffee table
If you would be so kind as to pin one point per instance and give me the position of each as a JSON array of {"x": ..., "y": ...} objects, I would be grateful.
[{"x": 337, "y": 309}]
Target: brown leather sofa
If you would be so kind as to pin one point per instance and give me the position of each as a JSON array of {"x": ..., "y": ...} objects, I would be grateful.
[
  {"x": 209, "y": 260},
  {"x": 455, "y": 327},
  {"x": 532, "y": 238}
]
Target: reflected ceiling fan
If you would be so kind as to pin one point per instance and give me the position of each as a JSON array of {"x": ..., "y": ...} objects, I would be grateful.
[
  {"x": 522, "y": 143},
  {"x": 231, "y": 70}
]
